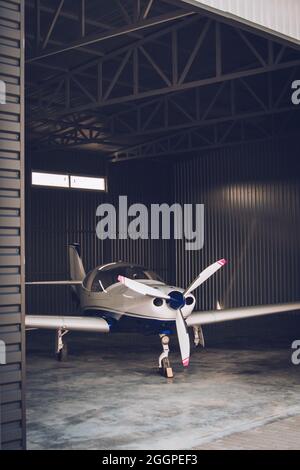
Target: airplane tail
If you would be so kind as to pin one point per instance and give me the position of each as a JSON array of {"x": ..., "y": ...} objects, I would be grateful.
[{"x": 77, "y": 272}]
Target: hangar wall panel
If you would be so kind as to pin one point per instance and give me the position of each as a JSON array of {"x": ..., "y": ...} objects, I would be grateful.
[
  {"x": 252, "y": 198},
  {"x": 55, "y": 218},
  {"x": 252, "y": 217},
  {"x": 11, "y": 226}
]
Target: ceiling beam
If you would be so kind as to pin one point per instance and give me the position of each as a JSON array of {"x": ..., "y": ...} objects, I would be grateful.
[
  {"x": 109, "y": 101},
  {"x": 124, "y": 30},
  {"x": 73, "y": 17},
  {"x": 85, "y": 50},
  {"x": 53, "y": 23},
  {"x": 193, "y": 140}
]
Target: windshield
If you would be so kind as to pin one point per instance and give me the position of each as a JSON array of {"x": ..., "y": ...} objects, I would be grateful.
[{"x": 107, "y": 276}]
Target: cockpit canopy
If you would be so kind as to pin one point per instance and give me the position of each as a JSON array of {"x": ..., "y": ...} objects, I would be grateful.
[{"x": 100, "y": 278}]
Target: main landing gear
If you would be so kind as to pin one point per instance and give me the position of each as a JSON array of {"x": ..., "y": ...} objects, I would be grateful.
[
  {"x": 163, "y": 361},
  {"x": 198, "y": 336},
  {"x": 61, "y": 349}
]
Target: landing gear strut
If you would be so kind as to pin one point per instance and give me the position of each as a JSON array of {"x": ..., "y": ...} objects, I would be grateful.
[
  {"x": 198, "y": 336},
  {"x": 163, "y": 361},
  {"x": 61, "y": 349}
]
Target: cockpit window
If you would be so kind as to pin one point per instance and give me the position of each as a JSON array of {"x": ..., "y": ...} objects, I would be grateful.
[{"x": 105, "y": 277}]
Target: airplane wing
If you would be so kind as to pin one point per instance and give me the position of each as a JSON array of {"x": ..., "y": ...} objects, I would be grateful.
[
  {"x": 216, "y": 316},
  {"x": 53, "y": 283},
  {"x": 67, "y": 323}
]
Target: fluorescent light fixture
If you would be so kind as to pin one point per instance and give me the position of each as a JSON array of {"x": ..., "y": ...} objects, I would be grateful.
[
  {"x": 87, "y": 182},
  {"x": 56, "y": 180},
  {"x": 50, "y": 179}
]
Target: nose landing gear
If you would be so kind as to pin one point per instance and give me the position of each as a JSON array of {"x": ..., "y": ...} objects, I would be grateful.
[
  {"x": 163, "y": 361},
  {"x": 61, "y": 350}
]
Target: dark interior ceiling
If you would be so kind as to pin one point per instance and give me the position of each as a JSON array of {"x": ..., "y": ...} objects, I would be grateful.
[{"x": 140, "y": 78}]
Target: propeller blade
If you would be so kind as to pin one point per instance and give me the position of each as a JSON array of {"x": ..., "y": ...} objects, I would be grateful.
[
  {"x": 204, "y": 275},
  {"x": 183, "y": 338},
  {"x": 141, "y": 288}
]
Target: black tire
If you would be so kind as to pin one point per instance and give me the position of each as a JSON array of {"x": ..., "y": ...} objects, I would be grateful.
[
  {"x": 165, "y": 363},
  {"x": 166, "y": 369}
]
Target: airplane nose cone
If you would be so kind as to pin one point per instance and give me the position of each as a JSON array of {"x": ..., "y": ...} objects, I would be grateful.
[{"x": 176, "y": 300}]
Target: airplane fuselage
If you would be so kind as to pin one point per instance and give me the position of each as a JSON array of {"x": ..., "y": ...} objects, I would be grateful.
[{"x": 118, "y": 301}]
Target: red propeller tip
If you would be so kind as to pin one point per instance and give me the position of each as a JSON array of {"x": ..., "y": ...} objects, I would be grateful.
[
  {"x": 186, "y": 362},
  {"x": 222, "y": 262}
]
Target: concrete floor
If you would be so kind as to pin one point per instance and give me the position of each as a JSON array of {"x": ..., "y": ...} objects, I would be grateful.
[
  {"x": 110, "y": 396},
  {"x": 280, "y": 434}
]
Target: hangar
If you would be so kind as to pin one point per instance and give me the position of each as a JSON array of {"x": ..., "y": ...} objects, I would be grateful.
[{"x": 167, "y": 101}]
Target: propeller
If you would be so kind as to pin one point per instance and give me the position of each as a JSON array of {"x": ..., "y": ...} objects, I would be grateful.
[
  {"x": 176, "y": 301},
  {"x": 183, "y": 338},
  {"x": 204, "y": 275},
  {"x": 141, "y": 288}
]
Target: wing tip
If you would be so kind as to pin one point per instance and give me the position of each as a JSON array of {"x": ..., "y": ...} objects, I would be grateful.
[{"x": 222, "y": 261}]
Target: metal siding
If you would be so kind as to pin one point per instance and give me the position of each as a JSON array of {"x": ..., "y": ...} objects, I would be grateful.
[
  {"x": 279, "y": 17},
  {"x": 252, "y": 196},
  {"x": 11, "y": 225},
  {"x": 58, "y": 217},
  {"x": 252, "y": 217}
]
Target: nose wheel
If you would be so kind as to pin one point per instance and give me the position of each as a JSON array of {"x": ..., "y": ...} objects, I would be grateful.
[{"x": 163, "y": 361}]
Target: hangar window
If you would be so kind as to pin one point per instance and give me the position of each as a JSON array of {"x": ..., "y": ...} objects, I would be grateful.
[
  {"x": 68, "y": 181},
  {"x": 49, "y": 179},
  {"x": 87, "y": 182}
]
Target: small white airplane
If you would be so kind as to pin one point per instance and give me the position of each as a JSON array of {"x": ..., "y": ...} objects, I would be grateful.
[{"x": 114, "y": 292}]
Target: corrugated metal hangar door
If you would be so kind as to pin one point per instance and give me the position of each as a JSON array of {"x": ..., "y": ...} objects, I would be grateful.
[{"x": 11, "y": 225}]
